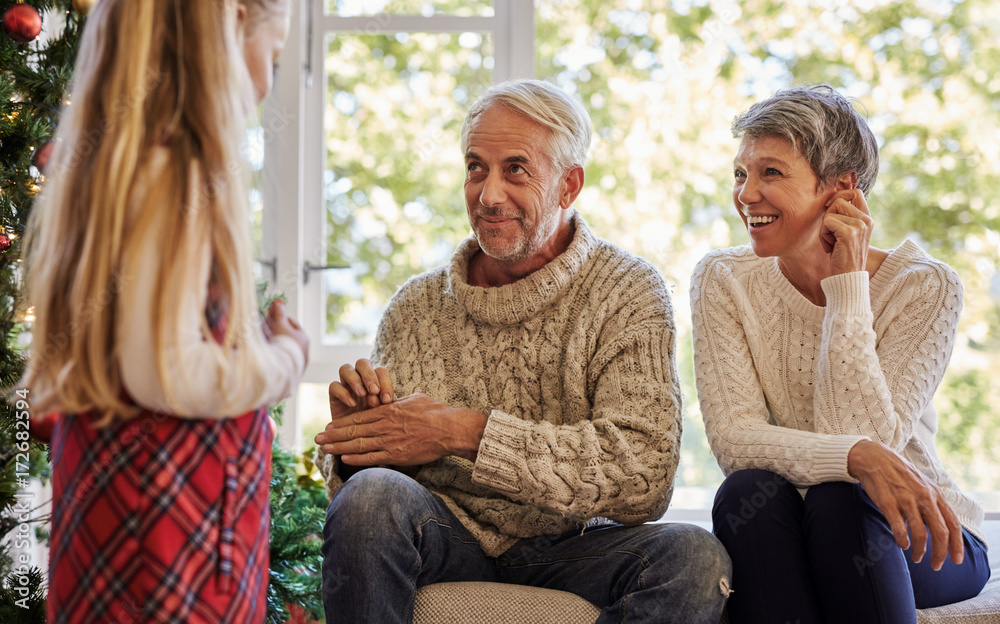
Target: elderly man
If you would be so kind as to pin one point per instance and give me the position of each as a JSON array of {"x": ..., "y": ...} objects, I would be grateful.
[{"x": 526, "y": 400}]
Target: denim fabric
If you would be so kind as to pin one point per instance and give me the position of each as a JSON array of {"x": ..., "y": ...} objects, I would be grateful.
[
  {"x": 829, "y": 557},
  {"x": 386, "y": 535}
]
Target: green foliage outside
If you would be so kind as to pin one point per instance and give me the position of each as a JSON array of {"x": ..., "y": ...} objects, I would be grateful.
[
  {"x": 662, "y": 81},
  {"x": 395, "y": 172},
  {"x": 464, "y": 8}
]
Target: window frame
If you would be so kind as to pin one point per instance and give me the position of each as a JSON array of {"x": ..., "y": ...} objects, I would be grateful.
[
  {"x": 294, "y": 158},
  {"x": 294, "y": 162}
]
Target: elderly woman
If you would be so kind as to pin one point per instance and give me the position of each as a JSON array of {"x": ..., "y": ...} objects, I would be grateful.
[{"x": 817, "y": 357}]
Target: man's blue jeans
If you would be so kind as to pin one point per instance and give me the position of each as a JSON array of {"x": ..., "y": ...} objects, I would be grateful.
[{"x": 386, "y": 535}]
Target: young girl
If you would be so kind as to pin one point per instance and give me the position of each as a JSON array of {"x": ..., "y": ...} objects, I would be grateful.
[{"x": 147, "y": 340}]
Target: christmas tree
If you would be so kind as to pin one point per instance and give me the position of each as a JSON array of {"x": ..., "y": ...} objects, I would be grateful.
[
  {"x": 36, "y": 66},
  {"x": 298, "y": 508},
  {"x": 35, "y": 70}
]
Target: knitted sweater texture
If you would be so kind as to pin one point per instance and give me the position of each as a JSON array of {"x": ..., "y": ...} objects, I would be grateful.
[
  {"x": 790, "y": 387},
  {"x": 574, "y": 366}
]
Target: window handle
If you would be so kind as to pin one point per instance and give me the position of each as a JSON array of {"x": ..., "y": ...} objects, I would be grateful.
[
  {"x": 309, "y": 267},
  {"x": 271, "y": 265}
]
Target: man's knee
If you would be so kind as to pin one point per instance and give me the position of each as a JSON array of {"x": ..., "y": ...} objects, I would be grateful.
[
  {"x": 700, "y": 550},
  {"x": 714, "y": 560},
  {"x": 373, "y": 499},
  {"x": 695, "y": 558}
]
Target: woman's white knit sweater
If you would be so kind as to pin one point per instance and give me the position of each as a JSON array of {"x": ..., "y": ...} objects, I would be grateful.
[
  {"x": 573, "y": 365},
  {"x": 790, "y": 387}
]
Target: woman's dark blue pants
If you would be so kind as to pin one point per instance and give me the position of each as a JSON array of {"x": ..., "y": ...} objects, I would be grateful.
[{"x": 828, "y": 557}]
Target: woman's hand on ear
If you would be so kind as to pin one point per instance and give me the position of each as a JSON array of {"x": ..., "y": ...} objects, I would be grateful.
[{"x": 847, "y": 231}]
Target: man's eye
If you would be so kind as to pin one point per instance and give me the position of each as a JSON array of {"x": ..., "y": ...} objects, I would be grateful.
[
  {"x": 739, "y": 175},
  {"x": 517, "y": 169},
  {"x": 772, "y": 171}
]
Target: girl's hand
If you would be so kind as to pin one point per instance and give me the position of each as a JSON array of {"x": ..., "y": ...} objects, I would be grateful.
[
  {"x": 847, "y": 231},
  {"x": 279, "y": 323}
]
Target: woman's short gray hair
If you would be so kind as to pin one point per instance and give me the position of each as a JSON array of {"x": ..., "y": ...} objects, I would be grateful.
[
  {"x": 823, "y": 125},
  {"x": 546, "y": 105}
]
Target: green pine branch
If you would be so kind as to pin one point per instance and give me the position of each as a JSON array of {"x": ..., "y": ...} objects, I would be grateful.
[
  {"x": 23, "y": 602},
  {"x": 33, "y": 84},
  {"x": 297, "y": 516}
]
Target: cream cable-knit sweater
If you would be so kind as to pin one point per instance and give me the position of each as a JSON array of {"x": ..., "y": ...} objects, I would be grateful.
[
  {"x": 790, "y": 387},
  {"x": 574, "y": 366}
]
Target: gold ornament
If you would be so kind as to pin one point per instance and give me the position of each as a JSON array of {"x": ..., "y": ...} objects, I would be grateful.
[{"x": 84, "y": 7}]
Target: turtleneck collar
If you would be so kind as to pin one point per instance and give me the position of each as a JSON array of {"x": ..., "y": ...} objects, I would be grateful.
[{"x": 517, "y": 302}]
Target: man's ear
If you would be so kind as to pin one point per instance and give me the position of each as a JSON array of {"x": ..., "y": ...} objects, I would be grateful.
[
  {"x": 572, "y": 184},
  {"x": 847, "y": 181}
]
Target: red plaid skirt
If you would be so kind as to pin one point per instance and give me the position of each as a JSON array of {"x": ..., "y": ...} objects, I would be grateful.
[{"x": 160, "y": 519}]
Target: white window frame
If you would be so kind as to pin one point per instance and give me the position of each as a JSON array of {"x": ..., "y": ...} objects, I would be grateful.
[{"x": 295, "y": 155}]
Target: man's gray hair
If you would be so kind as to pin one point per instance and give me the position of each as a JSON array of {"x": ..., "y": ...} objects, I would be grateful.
[
  {"x": 823, "y": 126},
  {"x": 546, "y": 105}
]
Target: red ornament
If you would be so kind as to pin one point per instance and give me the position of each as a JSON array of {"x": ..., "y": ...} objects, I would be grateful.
[
  {"x": 298, "y": 615},
  {"x": 40, "y": 157},
  {"x": 4, "y": 242},
  {"x": 22, "y": 23}
]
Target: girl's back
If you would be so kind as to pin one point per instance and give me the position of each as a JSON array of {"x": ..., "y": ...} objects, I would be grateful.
[{"x": 147, "y": 341}]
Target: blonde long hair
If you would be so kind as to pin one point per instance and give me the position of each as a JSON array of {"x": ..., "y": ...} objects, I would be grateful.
[{"x": 151, "y": 74}]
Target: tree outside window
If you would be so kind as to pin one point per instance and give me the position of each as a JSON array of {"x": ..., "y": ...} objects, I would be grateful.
[{"x": 662, "y": 81}]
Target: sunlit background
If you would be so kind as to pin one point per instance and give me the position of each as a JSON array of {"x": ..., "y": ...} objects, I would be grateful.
[{"x": 662, "y": 81}]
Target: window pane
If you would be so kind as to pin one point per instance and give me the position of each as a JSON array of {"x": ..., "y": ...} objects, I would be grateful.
[
  {"x": 254, "y": 150},
  {"x": 461, "y": 8},
  {"x": 394, "y": 169},
  {"x": 662, "y": 84},
  {"x": 312, "y": 405}
]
